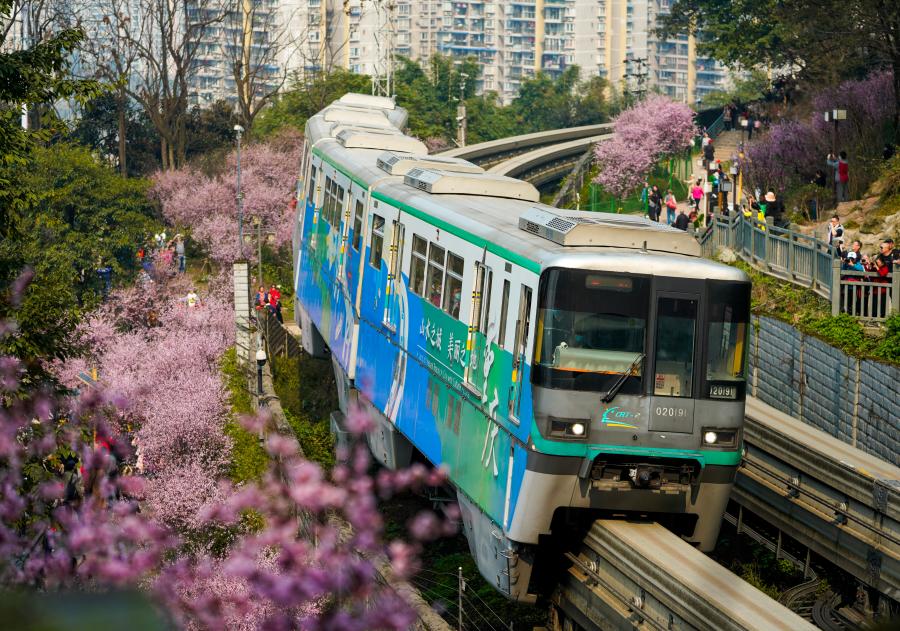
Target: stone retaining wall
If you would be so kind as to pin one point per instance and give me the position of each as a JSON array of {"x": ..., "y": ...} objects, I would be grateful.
[{"x": 857, "y": 401}]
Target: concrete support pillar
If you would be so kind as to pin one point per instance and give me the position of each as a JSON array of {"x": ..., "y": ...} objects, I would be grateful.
[{"x": 242, "y": 306}]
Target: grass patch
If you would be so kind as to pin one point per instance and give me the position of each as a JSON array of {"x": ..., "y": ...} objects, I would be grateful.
[
  {"x": 308, "y": 396},
  {"x": 248, "y": 458},
  {"x": 800, "y": 307}
]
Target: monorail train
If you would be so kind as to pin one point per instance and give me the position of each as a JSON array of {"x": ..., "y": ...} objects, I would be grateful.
[{"x": 558, "y": 363}]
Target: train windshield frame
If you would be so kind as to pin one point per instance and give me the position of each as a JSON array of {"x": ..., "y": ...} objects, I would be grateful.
[
  {"x": 727, "y": 335},
  {"x": 592, "y": 329}
]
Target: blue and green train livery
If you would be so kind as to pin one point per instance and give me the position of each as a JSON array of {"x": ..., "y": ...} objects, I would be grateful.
[{"x": 561, "y": 365}]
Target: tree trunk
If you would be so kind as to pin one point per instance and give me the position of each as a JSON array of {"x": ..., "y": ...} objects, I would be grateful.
[
  {"x": 122, "y": 103},
  {"x": 164, "y": 153}
]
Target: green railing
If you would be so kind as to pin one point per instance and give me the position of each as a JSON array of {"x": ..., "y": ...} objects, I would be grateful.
[
  {"x": 806, "y": 261},
  {"x": 672, "y": 173}
]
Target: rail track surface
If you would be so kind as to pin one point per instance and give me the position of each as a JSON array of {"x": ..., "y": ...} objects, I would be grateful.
[{"x": 630, "y": 575}]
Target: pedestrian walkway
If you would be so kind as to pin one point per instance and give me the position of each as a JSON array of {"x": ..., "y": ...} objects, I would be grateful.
[{"x": 727, "y": 145}]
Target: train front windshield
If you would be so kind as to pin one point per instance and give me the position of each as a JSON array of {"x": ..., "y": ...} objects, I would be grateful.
[{"x": 593, "y": 328}]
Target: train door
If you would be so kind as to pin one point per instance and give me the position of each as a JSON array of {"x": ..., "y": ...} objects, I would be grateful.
[
  {"x": 521, "y": 339},
  {"x": 676, "y": 352}
]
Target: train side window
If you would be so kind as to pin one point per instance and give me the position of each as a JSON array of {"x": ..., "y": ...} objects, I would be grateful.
[
  {"x": 417, "y": 265},
  {"x": 311, "y": 191},
  {"x": 357, "y": 225},
  {"x": 504, "y": 312},
  {"x": 435, "y": 281},
  {"x": 338, "y": 205},
  {"x": 377, "y": 244},
  {"x": 487, "y": 282},
  {"x": 326, "y": 205},
  {"x": 453, "y": 284},
  {"x": 396, "y": 255}
]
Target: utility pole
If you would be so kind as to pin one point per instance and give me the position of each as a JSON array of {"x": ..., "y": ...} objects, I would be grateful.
[
  {"x": 461, "y": 112},
  {"x": 238, "y": 130}
]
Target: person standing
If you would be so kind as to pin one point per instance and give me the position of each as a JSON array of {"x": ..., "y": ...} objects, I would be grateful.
[
  {"x": 696, "y": 194},
  {"x": 775, "y": 210},
  {"x": 671, "y": 207},
  {"x": 835, "y": 230},
  {"x": 681, "y": 221},
  {"x": 179, "y": 252},
  {"x": 655, "y": 203},
  {"x": 726, "y": 117},
  {"x": 709, "y": 153},
  {"x": 841, "y": 169}
]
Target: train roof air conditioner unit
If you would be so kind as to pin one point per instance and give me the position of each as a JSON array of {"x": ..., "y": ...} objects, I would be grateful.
[
  {"x": 354, "y": 138},
  {"x": 367, "y": 100},
  {"x": 579, "y": 228},
  {"x": 444, "y": 182},
  {"x": 401, "y": 164},
  {"x": 353, "y": 116}
]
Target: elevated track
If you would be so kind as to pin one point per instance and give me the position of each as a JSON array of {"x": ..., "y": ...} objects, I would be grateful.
[{"x": 488, "y": 154}]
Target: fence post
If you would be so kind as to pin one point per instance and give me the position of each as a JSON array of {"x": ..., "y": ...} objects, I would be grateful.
[
  {"x": 895, "y": 290},
  {"x": 462, "y": 586},
  {"x": 836, "y": 288}
]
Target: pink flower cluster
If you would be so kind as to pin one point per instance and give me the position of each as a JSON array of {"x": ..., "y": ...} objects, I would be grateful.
[
  {"x": 654, "y": 128},
  {"x": 309, "y": 561},
  {"x": 208, "y": 204},
  {"x": 791, "y": 152},
  {"x": 172, "y": 401}
]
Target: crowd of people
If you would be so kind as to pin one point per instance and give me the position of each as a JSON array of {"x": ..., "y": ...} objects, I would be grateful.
[{"x": 270, "y": 301}]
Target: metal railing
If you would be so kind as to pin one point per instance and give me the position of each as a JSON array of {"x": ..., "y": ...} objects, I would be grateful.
[{"x": 805, "y": 261}]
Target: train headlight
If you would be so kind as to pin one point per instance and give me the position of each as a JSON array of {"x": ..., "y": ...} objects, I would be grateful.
[
  {"x": 720, "y": 438},
  {"x": 568, "y": 428}
]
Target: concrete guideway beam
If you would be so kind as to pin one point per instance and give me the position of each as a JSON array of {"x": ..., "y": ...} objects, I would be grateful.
[
  {"x": 835, "y": 499},
  {"x": 639, "y": 575},
  {"x": 486, "y": 151}
]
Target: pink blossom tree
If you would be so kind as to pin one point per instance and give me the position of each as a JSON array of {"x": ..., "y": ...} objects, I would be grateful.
[
  {"x": 308, "y": 561},
  {"x": 654, "y": 128},
  {"x": 793, "y": 149},
  {"x": 207, "y": 203}
]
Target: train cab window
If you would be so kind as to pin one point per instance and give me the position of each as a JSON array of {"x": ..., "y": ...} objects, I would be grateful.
[
  {"x": 357, "y": 225},
  {"x": 434, "y": 282},
  {"x": 453, "y": 285},
  {"x": 728, "y": 316},
  {"x": 417, "y": 265},
  {"x": 311, "y": 192},
  {"x": 504, "y": 312},
  {"x": 591, "y": 330},
  {"x": 377, "y": 244},
  {"x": 676, "y": 331}
]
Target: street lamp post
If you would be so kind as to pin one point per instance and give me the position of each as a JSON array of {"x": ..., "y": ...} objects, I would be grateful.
[{"x": 238, "y": 130}]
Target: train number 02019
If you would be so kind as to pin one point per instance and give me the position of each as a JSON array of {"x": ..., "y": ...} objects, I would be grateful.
[
  {"x": 661, "y": 411},
  {"x": 722, "y": 392}
]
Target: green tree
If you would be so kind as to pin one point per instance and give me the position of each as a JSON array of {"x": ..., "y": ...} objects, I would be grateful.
[
  {"x": 822, "y": 41},
  {"x": 98, "y": 129},
  {"x": 545, "y": 102},
  {"x": 305, "y": 97},
  {"x": 74, "y": 215}
]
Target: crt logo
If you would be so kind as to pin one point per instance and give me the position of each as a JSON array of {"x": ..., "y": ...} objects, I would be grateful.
[{"x": 614, "y": 417}]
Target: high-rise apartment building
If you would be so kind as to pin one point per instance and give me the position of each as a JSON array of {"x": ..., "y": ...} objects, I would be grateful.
[{"x": 511, "y": 39}]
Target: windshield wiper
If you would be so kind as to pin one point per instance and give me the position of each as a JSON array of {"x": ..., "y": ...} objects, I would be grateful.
[{"x": 612, "y": 392}]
